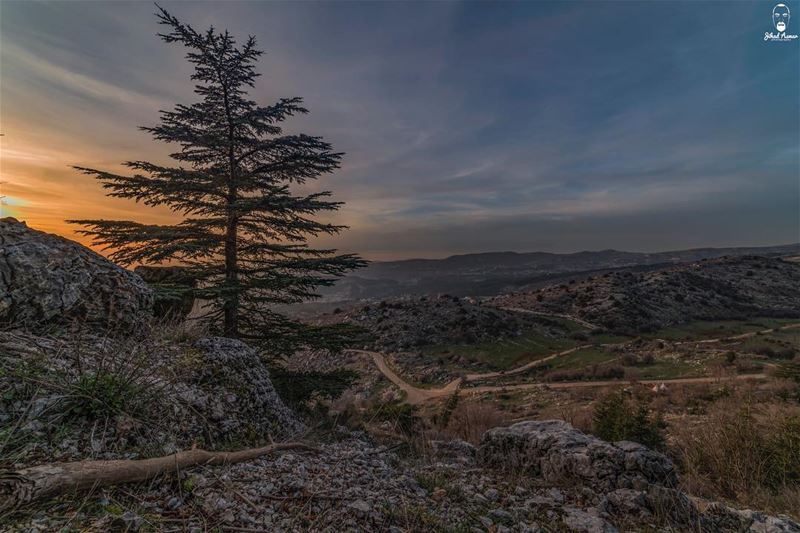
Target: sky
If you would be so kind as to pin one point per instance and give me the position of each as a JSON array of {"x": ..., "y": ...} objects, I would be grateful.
[{"x": 467, "y": 127}]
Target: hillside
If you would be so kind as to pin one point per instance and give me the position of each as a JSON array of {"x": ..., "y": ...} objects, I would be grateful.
[
  {"x": 722, "y": 288},
  {"x": 488, "y": 274},
  {"x": 413, "y": 323}
]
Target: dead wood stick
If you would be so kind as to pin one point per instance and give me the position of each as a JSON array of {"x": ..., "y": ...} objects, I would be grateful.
[{"x": 35, "y": 483}]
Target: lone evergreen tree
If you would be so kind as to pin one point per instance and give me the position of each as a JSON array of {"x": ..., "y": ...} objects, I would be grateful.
[{"x": 244, "y": 232}]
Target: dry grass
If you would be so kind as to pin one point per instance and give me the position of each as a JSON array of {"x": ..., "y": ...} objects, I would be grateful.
[
  {"x": 744, "y": 452},
  {"x": 470, "y": 420},
  {"x": 578, "y": 416},
  {"x": 89, "y": 386}
]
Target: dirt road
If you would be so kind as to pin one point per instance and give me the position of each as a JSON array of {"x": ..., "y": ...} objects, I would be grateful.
[
  {"x": 583, "y": 384},
  {"x": 575, "y": 319},
  {"x": 414, "y": 395},
  {"x": 738, "y": 337},
  {"x": 417, "y": 395},
  {"x": 523, "y": 368}
]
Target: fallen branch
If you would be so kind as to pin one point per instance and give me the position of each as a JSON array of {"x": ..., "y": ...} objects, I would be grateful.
[{"x": 41, "y": 482}]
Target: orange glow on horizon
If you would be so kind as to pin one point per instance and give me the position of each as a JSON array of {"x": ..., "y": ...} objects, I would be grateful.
[{"x": 42, "y": 190}]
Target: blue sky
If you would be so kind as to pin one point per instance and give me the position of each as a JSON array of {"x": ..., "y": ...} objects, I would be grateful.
[{"x": 556, "y": 126}]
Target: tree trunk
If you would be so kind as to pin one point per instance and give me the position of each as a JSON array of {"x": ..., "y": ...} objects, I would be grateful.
[
  {"x": 231, "y": 305},
  {"x": 41, "y": 482}
]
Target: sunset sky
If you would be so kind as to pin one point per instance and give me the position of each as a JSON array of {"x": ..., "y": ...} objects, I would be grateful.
[{"x": 467, "y": 126}]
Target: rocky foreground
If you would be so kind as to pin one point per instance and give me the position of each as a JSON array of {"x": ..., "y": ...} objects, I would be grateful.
[
  {"x": 532, "y": 476},
  {"x": 71, "y": 391}
]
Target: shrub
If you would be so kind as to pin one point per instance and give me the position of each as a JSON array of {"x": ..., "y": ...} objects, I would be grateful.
[
  {"x": 469, "y": 421},
  {"x": 298, "y": 388},
  {"x": 566, "y": 375},
  {"x": 443, "y": 419},
  {"x": 618, "y": 416},
  {"x": 403, "y": 417},
  {"x": 102, "y": 395},
  {"x": 593, "y": 372},
  {"x": 608, "y": 372},
  {"x": 579, "y": 336},
  {"x": 778, "y": 353}
]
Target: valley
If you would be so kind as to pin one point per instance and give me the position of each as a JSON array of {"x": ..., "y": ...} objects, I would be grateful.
[
  {"x": 493, "y": 273},
  {"x": 665, "y": 372},
  {"x": 689, "y": 320}
]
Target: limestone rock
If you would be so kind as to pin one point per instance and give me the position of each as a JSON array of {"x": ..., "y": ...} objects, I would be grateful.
[
  {"x": 47, "y": 278},
  {"x": 560, "y": 454},
  {"x": 588, "y": 521},
  {"x": 719, "y": 517},
  {"x": 226, "y": 361},
  {"x": 453, "y": 451}
]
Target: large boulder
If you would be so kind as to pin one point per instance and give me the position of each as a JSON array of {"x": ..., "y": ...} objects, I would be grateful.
[
  {"x": 47, "y": 278},
  {"x": 230, "y": 385},
  {"x": 560, "y": 454}
]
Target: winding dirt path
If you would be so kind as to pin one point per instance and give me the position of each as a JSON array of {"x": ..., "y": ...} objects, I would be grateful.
[
  {"x": 523, "y": 368},
  {"x": 575, "y": 319},
  {"x": 417, "y": 395},
  {"x": 584, "y": 384},
  {"x": 414, "y": 395},
  {"x": 736, "y": 337}
]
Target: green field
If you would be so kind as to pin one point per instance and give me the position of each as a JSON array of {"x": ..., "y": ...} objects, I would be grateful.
[
  {"x": 710, "y": 329},
  {"x": 669, "y": 370},
  {"x": 582, "y": 359},
  {"x": 533, "y": 345},
  {"x": 506, "y": 353},
  {"x": 788, "y": 336}
]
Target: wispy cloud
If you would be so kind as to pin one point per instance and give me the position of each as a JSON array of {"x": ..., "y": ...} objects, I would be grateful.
[
  {"x": 466, "y": 126},
  {"x": 18, "y": 61}
]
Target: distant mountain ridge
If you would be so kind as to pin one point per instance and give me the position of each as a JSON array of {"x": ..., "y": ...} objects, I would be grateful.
[{"x": 491, "y": 273}]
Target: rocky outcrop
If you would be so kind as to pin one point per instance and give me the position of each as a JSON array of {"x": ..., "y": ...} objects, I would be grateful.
[
  {"x": 625, "y": 481},
  {"x": 173, "y": 285},
  {"x": 149, "y": 393},
  {"x": 560, "y": 454},
  {"x": 237, "y": 393},
  {"x": 47, "y": 278}
]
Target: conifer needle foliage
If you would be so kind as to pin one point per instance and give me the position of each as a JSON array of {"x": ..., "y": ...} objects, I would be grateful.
[{"x": 244, "y": 232}]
